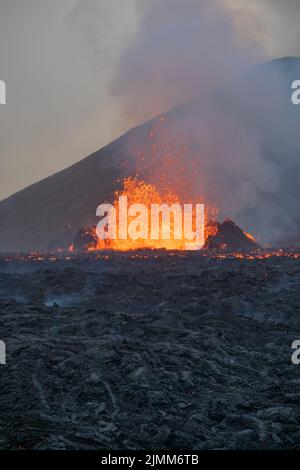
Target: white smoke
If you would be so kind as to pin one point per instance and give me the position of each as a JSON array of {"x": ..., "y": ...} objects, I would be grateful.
[{"x": 181, "y": 50}]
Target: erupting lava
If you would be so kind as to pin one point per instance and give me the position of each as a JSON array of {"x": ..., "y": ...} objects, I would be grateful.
[
  {"x": 226, "y": 236},
  {"x": 138, "y": 191},
  {"x": 173, "y": 181}
]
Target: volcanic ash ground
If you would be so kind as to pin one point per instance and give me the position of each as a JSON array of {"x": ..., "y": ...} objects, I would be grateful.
[{"x": 149, "y": 351}]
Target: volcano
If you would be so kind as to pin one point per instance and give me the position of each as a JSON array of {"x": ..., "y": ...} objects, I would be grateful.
[
  {"x": 47, "y": 215},
  {"x": 227, "y": 236}
]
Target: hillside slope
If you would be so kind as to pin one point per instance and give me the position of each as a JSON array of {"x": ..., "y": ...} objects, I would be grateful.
[{"x": 49, "y": 213}]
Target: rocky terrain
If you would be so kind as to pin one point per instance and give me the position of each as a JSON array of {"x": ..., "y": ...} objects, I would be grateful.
[{"x": 149, "y": 351}]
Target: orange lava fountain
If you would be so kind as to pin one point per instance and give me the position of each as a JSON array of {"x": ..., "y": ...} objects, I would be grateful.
[{"x": 140, "y": 192}]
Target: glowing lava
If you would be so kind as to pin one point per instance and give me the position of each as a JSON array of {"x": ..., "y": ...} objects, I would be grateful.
[{"x": 138, "y": 191}]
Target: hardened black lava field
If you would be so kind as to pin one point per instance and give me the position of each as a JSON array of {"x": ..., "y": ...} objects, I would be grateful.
[{"x": 150, "y": 350}]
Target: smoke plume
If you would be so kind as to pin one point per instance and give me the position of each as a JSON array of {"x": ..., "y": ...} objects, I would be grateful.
[
  {"x": 180, "y": 51},
  {"x": 236, "y": 143}
]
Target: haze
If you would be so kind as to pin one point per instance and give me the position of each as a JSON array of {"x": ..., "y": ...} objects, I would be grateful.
[{"x": 75, "y": 80}]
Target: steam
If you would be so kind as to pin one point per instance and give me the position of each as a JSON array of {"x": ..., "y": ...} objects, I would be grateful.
[
  {"x": 181, "y": 50},
  {"x": 236, "y": 143}
]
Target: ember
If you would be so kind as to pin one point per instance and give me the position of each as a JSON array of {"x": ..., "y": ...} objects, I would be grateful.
[
  {"x": 224, "y": 237},
  {"x": 138, "y": 192},
  {"x": 158, "y": 222},
  {"x": 85, "y": 239}
]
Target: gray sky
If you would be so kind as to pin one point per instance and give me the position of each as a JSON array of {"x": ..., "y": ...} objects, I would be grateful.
[{"x": 65, "y": 63}]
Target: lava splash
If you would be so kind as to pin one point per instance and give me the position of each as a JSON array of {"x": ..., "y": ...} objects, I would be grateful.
[{"x": 226, "y": 236}]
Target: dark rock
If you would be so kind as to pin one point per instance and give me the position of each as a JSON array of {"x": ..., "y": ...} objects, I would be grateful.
[{"x": 229, "y": 237}]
